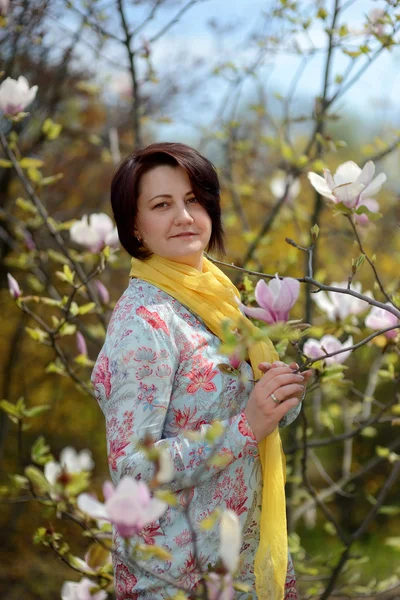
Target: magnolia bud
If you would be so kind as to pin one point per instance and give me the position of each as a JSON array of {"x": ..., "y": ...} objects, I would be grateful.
[
  {"x": 81, "y": 344},
  {"x": 14, "y": 289}
]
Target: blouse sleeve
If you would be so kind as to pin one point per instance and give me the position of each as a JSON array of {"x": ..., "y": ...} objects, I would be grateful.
[{"x": 135, "y": 381}]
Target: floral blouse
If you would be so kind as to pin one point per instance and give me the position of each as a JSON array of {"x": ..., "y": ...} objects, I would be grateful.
[{"x": 157, "y": 375}]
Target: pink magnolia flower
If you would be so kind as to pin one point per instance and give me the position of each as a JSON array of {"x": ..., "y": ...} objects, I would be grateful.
[
  {"x": 94, "y": 232},
  {"x": 234, "y": 360},
  {"x": 81, "y": 591},
  {"x": 129, "y": 506},
  {"x": 379, "y": 318},
  {"x": 275, "y": 299},
  {"x": 350, "y": 185},
  {"x": 340, "y": 306},
  {"x": 103, "y": 292},
  {"x": 16, "y": 95},
  {"x": 326, "y": 345},
  {"x": 219, "y": 587},
  {"x": 81, "y": 343},
  {"x": 230, "y": 540},
  {"x": 13, "y": 287}
]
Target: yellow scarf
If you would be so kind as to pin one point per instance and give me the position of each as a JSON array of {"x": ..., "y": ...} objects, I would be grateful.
[{"x": 212, "y": 296}]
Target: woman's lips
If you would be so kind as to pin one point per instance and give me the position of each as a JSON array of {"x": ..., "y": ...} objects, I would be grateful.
[{"x": 185, "y": 235}]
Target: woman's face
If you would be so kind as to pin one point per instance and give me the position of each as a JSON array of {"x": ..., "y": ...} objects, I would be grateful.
[{"x": 170, "y": 221}]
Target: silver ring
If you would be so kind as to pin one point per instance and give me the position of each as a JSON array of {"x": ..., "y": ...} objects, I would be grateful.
[{"x": 275, "y": 399}]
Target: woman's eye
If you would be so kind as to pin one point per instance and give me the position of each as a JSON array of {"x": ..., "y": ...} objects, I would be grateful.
[
  {"x": 192, "y": 199},
  {"x": 161, "y": 204}
]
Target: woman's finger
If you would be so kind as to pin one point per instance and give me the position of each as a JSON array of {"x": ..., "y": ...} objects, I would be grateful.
[{"x": 287, "y": 391}]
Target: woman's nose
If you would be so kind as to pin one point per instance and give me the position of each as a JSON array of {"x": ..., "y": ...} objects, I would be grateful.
[{"x": 183, "y": 216}]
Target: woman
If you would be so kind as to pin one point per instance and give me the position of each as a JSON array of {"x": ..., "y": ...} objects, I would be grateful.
[{"x": 158, "y": 375}]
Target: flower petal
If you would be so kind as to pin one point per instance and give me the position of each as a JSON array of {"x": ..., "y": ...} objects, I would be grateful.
[
  {"x": 322, "y": 301},
  {"x": 108, "y": 490},
  {"x": 349, "y": 193},
  {"x": 91, "y": 506},
  {"x": 375, "y": 186},
  {"x": 230, "y": 540},
  {"x": 263, "y": 295},
  {"x": 69, "y": 590},
  {"x": 259, "y": 313},
  {"x": 289, "y": 292},
  {"x": 321, "y": 186},
  {"x": 347, "y": 172},
  {"x": 101, "y": 223},
  {"x": 312, "y": 348},
  {"x": 367, "y": 173},
  {"x": 51, "y": 471}
]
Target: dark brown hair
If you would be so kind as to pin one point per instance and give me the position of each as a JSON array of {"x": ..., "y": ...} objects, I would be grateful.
[{"x": 125, "y": 190}]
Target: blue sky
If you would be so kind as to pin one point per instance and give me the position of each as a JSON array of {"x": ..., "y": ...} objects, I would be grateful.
[{"x": 375, "y": 96}]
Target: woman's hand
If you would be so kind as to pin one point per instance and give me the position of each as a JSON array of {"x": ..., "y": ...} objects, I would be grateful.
[{"x": 279, "y": 390}]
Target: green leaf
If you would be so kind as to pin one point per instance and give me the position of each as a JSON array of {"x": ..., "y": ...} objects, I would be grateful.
[
  {"x": 389, "y": 510},
  {"x": 66, "y": 275},
  {"x": 36, "y": 410},
  {"x": 57, "y": 256},
  {"x": 357, "y": 263},
  {"x": 314, "y": 232},
  {"x": 37, "y": 334},
  {"x": 214, "y": 432},
  {"x": 369, "y": 432},
  {"x": 97, "y": 556},
  {"x": 382, "y": 451},
  {"x": 394, "y": 542},
  {"x": 52, "y": 179},
  {"x": 26, "y": 205},
  {"x": 38, "y": 480},
  {"x": 372, "y": 216},
  {"x": 67, "y": 329},
  {"x": 10, "y": 409},
  {"x": 51, "y": 130},
  {"x": 167, "y": 496},
  {"x": 34, "y": 175},
  {"x": 330, "y": 528},
  {"x": 77, "y": 483},
  {"x": 86, "y": 308},
  {"x": 29, "y": 163},
  {"x": 83, "y": 361},
  {"x": 5, "y": 164},
  {"x": 56, "y": 367},
  {"x": 40, "y": 452},
  {"x": 342, "y": 208}
]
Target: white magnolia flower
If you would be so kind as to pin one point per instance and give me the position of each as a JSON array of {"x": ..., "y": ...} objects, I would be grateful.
[
  {"x": 350, "y": 185},
  {"x": 94, "y": 232},
  {"x": 376, "y": 21},
  {"x": 81, "y": 591},
  {"x": 230, "y": 540},
  {"x": 16, "y": 95},
  {"x": 339, "y": 306},
  {"x": 278, "y": 186},
  {"x": 326, "y": 345},
  {"x": 70, "y": 461}
]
